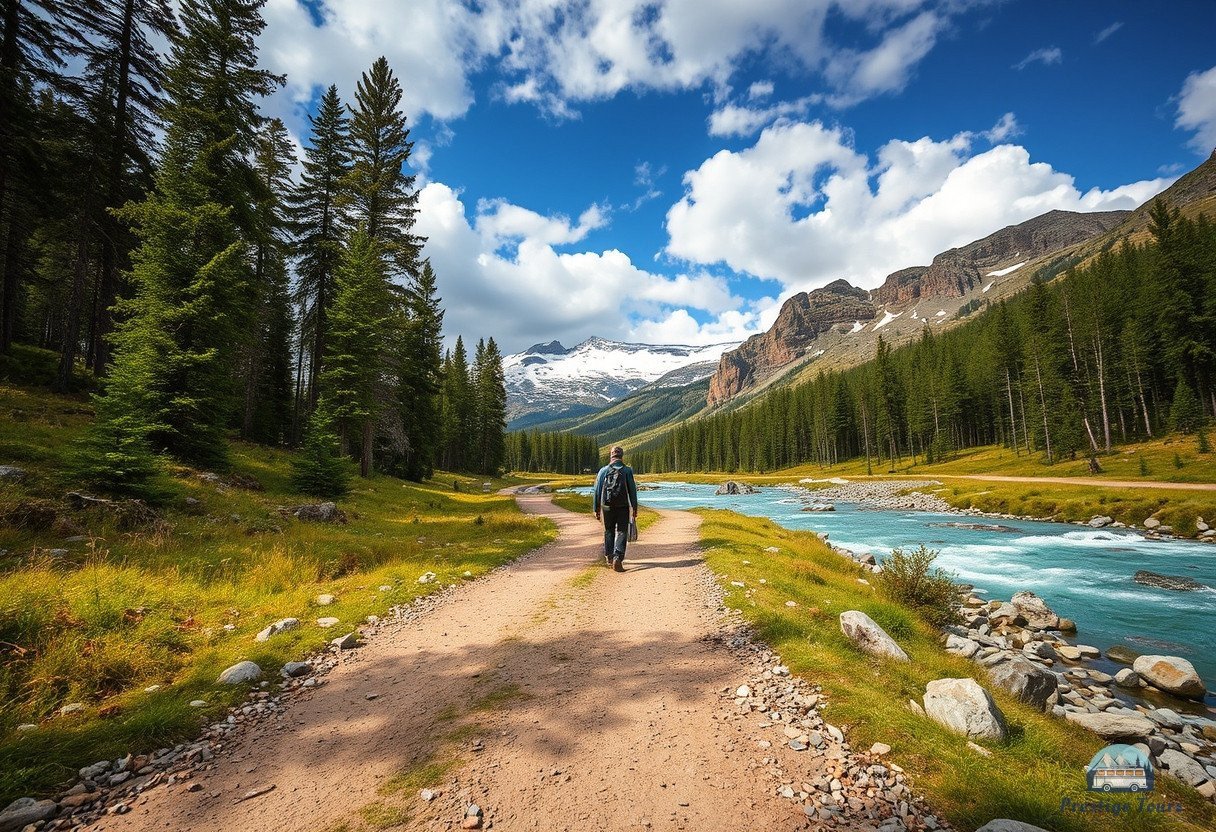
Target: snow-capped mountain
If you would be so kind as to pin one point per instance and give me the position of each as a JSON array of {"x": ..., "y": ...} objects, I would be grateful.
[{"x": 549, "y": 381}]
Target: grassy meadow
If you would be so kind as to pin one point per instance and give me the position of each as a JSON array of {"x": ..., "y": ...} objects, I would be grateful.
[
  {"x": 1024, "y": 778},
  {"x": 98, "y": 606}
]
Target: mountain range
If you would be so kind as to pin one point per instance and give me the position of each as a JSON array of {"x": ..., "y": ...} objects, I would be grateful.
[
  {"x": 831, "y": 328},
  {"x": 548, "y": 382}
]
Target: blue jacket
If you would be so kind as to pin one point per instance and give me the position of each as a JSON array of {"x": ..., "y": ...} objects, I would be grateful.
[{"x": 629, "y": 484}]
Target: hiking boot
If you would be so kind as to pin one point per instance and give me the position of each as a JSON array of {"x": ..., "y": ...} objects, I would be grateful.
[
  {"x": 608, "y": 560},
  {"x": 618, "y": 564}
]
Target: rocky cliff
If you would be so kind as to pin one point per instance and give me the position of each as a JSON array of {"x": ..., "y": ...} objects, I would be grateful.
[
  {"x": 956, "y": 272},
  {"x": 803, "y": 318}
]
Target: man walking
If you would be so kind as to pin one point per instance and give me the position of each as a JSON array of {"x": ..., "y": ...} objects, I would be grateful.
[{"x": 616, "y": 500}]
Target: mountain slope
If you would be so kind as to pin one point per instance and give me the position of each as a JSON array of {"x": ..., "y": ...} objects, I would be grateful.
[{"x": 550, "y": 383}]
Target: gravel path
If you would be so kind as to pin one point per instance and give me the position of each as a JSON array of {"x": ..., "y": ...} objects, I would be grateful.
[{"x": 607, "y": 702}]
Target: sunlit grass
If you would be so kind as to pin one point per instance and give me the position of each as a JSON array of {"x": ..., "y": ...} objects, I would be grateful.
[{"x": 1024, "y": 779}]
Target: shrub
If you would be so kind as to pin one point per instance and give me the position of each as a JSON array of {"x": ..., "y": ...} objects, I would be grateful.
[
  {"x": 1205, "y": 447},
  {"x": 320, "y": 470},
  {"x": 1143, "y": 467},
  {"x": 911, "y": 579}
]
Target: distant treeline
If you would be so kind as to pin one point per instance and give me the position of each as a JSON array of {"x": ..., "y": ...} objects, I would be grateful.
[
  {"x": 561, "y": 453},
  {"x": 1118, "y": 350}
]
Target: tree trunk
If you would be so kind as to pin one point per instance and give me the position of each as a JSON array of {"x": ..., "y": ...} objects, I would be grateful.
[
  {"x": 71, "y": 329},
  {"x": 1043, "y": 407},
  {"x": 365, "y": 458},
  {"x": 1013, "y": 423},
  {"x": 1102, "y": 392}
]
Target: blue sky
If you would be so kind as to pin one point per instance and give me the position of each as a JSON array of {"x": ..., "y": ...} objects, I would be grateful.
[{"x": 672, "y": 170}]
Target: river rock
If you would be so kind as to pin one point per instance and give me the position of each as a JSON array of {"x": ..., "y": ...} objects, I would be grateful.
[
  {"x": 1006, "y": 825},
  {"x": 1182, "y": 767},
  {"x": 283, "y": 625},
  {"x": 1171, "y": 674},
  {"x": 240, "y": 673},
  {"x": 1006, "y": 614},
  {"x": 347, "y": 642},
  {"x": 1122, "y": 654},
  {"x": 961, "y": 646},
  {"x": 1177, "y": 583},
  {"x": 1027, "y": 681},
  {"x": 732, "y": 487},
  {"x": 1099, "y": 521},
  {"x": 1035, "y": 610},
  {"x": 869, "y": 637},
  {"x": 325, "y": 600},
  {"x": 24, "y": 811},
  {"x": 965, "y": 708},
  {"x": 1151, "y": 523},
  {"x": 294, "y": 670},
  {"x": 11, "y": 473},
  {"x": 1127, "y": 678},
  {"x": 1067, "y": 651},
  {"x": 1108, "y": 726}
]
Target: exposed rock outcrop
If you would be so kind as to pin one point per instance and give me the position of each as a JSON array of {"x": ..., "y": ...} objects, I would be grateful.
[{"x": 803, "y": 318}]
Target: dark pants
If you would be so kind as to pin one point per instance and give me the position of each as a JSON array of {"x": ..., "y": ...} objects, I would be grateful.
[{"x": 616, "y": 531}]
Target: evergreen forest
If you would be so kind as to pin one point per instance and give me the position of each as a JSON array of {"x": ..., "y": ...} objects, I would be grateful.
[
  {"x": 1119, "y": 349},
  {"x": 159, "y": 234}
]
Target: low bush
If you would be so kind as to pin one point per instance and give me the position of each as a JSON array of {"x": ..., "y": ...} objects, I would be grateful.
[{"x": 910, "y": 578}]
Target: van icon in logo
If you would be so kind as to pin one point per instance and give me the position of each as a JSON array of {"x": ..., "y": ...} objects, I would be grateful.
[{"x": 1120, "y": 768}]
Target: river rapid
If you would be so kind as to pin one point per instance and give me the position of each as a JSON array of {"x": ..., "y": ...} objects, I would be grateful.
[{"x": 1084, "y": 574}]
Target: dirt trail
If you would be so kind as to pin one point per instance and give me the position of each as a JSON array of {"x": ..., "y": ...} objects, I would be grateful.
[{"x": 610, "y": 680}]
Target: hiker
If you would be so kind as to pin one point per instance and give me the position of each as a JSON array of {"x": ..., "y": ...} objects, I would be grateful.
[{"x": 616, "y": 500}]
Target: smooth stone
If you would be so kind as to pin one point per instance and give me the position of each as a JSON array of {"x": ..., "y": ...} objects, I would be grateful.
[
  {"x": 294, "y": 670},
  {"x": 1151, "y": 523},
  {"x": 1026, "y": 681},
  {"x": 198, "y": 703},
  {"x": 1035, "y": 610},
  {"x": 283, "y": 625},
  {"x": 1006, "y": 825},
  {"x": 346, "y": 642},
  {"x": 879, "y": 749},
  {"x": 328, "y": 622},
  {"x": 1122, "y": 654},
  {"x": 1113, "y": 726},
  {"x": 1171, "y": 674},
  {"x": 869, "y": 637},
  {"x": 965, "y": 708},
  {"x": 1166, "y": 718},
  {"x": 71, "y": 708},
  {"x": 25, "y": 811},
  {"x": 1067, "y": 651},
  {"x": 964, "y": 647},
  {"x": 240, "y": 673},
  {"x": 325, "y": 600},
  {"x": 1182, "y": 767}
]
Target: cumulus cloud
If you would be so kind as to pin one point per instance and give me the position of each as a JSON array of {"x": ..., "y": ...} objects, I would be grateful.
[
  {"x": 1107, "y": 32},
  {"x": 515, "y": 292},
  {"x": 1046, "y": 56},
  {"x": 556, "y": 53},
  {"x": 802, "y": 206},
  {"x": 1006, "y": 127},
  {"x": 1197, "y": 109},
  {"x": 739, "y": 120}
]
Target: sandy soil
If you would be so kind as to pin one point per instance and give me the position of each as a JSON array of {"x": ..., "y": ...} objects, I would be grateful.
[{"x": 601, "y": 709}]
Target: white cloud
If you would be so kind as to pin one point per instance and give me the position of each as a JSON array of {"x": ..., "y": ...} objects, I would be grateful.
[
  {"x": 1006, "y": 127},
  {"x": 556, "y": 53},
  {"x": 802, "y": 206},
  {"x": 1107, "y": 32},
  {"x": 760, "y": 89},
  {"x": 736, "y": 120},
  {"x": 1046, "y": 56},
  {"x": 1197, "y": 109},
  {"x": 534, "y": 292}
]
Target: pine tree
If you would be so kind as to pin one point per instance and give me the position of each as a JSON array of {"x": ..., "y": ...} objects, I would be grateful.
[
  {"x": 352, "y": 377},
  {"x": 491, "y": 408},
  {"x": 1186, "y": 412},
  {"x": 377, "y": 192},
  {"x": 457, "y": 412},
  {"x": 420, "y": 376},
  {"x": 267, "y": 367},
  {"x": 194, "y": 300},
  {"x": 319, "y": 469},
  {"x": 319, "y": 224}
]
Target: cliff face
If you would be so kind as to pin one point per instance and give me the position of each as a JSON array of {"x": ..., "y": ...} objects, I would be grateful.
[
  {"x": 955, "y": 272},
  {"x": 803, "y": 318}
]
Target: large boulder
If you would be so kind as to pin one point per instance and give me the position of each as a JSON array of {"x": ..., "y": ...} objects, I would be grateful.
[
  {"x": 26, "y": 811},
  {"x": 1027, "y": 681},
  {"x": 1171, "y": 674},
  {"x": 1035, "y": 610},
  {"x": 1006, "y": 825},
  {"x": 869, "y": 637},
  {"x": 241, "y": 673},
  {"x": 1175, "y": 583},
  {"x": 1183, "y": 768},
  {"x": 1121, "y": 726},
  {"x": 965, "y": 708},
  {"x": 321, "y": 512},
  {"x": 732, "y": 487}
]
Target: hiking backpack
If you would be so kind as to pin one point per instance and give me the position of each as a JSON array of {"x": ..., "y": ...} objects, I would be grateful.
[{"x": 616, "y": 490}]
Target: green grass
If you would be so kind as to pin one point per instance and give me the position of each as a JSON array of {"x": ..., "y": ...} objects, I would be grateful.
[
  {"x": 1025, "y": 778},
  {"x": 581, "y": 504},
  {"x": 174, "y": 602}
]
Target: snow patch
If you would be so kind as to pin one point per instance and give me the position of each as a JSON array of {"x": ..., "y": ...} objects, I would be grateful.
[
  {"x": 858, "y": 326},
  {"x": 990, "y": 285},
  {"x": 940, "y": 313},
  {"x": 887, "y": 317},
  {"x": 1003, "y": 272},
  {"x": 818, "y": 353}
]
